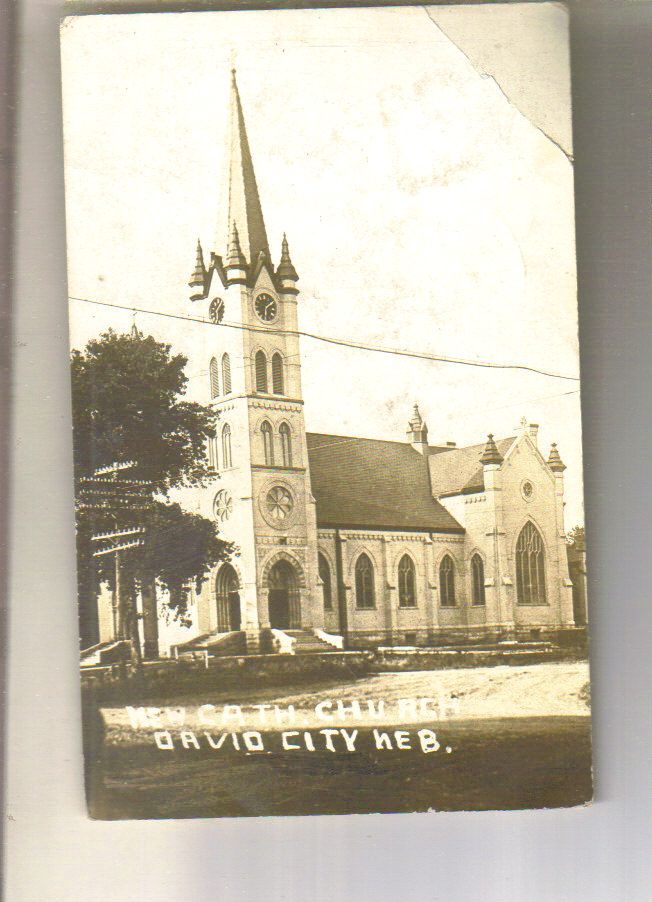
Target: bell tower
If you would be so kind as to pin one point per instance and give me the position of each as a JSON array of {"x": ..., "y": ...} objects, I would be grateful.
[{"x": 261, "y": 495}]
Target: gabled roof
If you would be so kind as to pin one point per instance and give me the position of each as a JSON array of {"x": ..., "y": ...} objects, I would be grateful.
[
  {"x": 373, "y": 484},
  {"x": 458, "y": 471}
]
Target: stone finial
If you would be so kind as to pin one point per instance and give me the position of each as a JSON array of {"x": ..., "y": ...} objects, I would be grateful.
[
  {"x": 198, "y": 278},
  {"x": 416, "y": 422},
  {"x": 235, "y": 259},
  {"x": 417, "y": 430},
  {"x": 286, "y": 270},
  {"x": 555, "y": 462},
  {"x": 491, "y": 454}
]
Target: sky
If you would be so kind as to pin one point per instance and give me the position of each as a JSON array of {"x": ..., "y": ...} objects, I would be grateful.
[{"x": 418, "y": 161}]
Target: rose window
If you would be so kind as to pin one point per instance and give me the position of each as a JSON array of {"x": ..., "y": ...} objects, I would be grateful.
[
  {"x": 279, "y": 503},
  {"x": 528, "y": 490},
  {"x": 223, "y": 505}
]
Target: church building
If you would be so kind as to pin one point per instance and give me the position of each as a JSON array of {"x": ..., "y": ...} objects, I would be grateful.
[{"x": 345, "y": 541}]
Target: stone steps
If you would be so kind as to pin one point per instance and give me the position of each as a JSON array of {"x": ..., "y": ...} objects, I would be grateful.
[
  {"x": 306, "y": 643},
  {"x": 215, "y": 643}
]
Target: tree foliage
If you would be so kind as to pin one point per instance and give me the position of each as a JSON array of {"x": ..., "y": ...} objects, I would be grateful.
[
  {"x": 127, "y": 398},
  {"x": 127, "y": 405},
  {"x": 181, "y": 548}
]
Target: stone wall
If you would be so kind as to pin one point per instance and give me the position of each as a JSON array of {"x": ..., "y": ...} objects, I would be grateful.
[{"x": 166, "y": 679}]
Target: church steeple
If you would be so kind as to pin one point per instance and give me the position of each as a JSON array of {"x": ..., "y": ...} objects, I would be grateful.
[{"x": 245, "y": 210}]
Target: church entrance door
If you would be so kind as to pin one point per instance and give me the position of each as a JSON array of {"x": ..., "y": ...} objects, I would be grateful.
[
  {"x": 283, "y": 598},
  {"x": 234, "y": 610},
  {"x": 227, "y": 590}
]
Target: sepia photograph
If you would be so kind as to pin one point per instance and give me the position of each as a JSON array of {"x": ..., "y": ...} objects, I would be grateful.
[{"x": 326, "y": 411}]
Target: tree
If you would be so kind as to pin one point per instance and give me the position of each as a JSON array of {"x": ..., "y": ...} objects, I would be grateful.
[
  {"x": 127, "y": 398},
  {"x": 181, "y": 548},
  {"x": 127, "y": 405}
]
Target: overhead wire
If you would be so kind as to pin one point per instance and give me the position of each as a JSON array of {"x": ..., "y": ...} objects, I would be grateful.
[{"x": 342, "y": 342}]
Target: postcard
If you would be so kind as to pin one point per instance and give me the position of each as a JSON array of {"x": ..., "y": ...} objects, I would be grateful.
[{"x": 326, "y": 411}]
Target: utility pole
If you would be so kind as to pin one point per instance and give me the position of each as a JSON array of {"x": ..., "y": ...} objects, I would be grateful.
[{"x": 117, "y": 498}]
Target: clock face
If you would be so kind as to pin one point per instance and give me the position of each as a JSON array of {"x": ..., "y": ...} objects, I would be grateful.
[
  {"x": 216, "y": 310},
  {"x": 266, "y": 307}
]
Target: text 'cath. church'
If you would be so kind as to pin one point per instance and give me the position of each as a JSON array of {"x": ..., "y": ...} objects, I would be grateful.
[{"x": 347, "y": 541}]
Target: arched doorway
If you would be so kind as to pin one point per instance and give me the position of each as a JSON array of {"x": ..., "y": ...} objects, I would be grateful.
[
  {"x": 227, "y": 593},
  {"x": 283, "y": 598}
]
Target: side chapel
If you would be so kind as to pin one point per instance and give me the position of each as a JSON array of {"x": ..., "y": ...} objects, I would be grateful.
[{"x": 348, "y": 541}]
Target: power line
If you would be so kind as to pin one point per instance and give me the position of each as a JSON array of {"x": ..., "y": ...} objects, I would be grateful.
[
  {"x": 341, "y": 342},
  {"x": 521, "y": 403}
]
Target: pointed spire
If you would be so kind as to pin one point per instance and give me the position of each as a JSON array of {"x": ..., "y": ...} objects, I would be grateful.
[
  {"x": 235, "y": 265},
  {"x": 286, "y": 271},
  {"x": 234, "y": 255},
  {"x": 244, "y": 202},
  {"x": 135, "y": 333},
  {"x": 555, "y": 462},
  {"x": 198, "y": 278},
  {"x": 491, "y": 454}
]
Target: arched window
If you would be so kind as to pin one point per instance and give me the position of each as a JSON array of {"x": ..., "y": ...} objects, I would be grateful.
[
  {"x": 268, "y": 443},
  {"x": 226, "y": 447},
  {"x": 325, "y": 576},
  {"x": 261, "y": 371},
  {"x": 213, "y": 460},
  {"x": 530, "y": 567},
  {"x": 226, "y": 374},
  {"x": 407, "y": 583},
  {"x": 214, "y": 377},
  {"x": 477, "y": 577},
  {"x": 365, "y": 596},
  {"x": 286, "y": 444},
  {"x": 447, "y": 582},
  {"x": 277, "y": 374}
]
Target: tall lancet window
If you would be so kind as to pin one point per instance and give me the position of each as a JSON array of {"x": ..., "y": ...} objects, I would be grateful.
[
  {"x": 227, "y": 460},
  {"x": 226, "y": 374},
  {"x": 530, "y": 567},
  {"x": 326, "y": 587},
  {"x": 268, "y": 443},
  {"x": 365, "y": 595},
  {"x": 277, "y": 374},
  {"x": 477, "y": 576},
  {"x": 261, "y": 372},
  {"x": 286, "y": 444},
  {"x": 447, "y": 582},
  {"x": 214, "y": 378},
  {"x": 407, "y": 583},
  {"x": 213, "y": 461}
]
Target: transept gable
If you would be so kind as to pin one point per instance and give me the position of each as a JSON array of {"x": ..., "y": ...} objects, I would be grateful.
[{"x": 524, "y": 445}]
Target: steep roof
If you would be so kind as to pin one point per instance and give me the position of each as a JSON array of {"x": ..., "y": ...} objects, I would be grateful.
[
  {"x": 456, "y": 471},
  {"x": 368, "y": 483}
]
